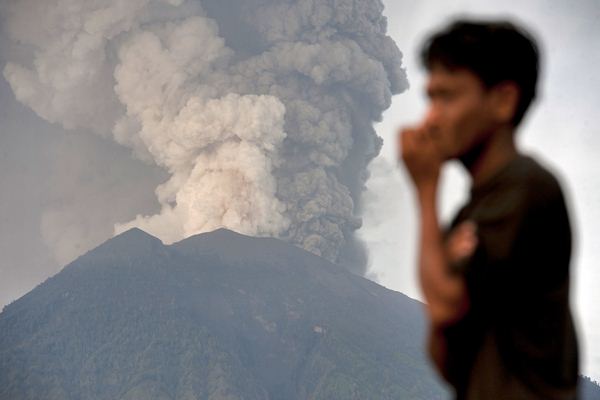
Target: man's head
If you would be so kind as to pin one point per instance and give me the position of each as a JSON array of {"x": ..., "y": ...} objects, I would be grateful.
[
  {"x": 496, "y": 52},
  {"x": 482, "y": 78}
]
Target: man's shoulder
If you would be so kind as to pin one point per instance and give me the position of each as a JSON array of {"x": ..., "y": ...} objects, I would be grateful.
[
  {"x": 537, "y": 182},
  {"x": 522, "y": 186}
]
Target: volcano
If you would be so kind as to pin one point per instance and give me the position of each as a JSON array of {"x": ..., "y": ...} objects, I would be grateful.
[{"x": 216, "y": 316}]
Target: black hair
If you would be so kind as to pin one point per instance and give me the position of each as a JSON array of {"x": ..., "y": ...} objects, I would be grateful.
[{"x": 495, "y": 51}]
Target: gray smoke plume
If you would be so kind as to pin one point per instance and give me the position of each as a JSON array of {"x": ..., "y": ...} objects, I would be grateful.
[{"x": 261, "y": 111}]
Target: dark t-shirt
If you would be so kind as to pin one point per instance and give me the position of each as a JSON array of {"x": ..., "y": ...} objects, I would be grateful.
[{"x": 517, "y": 340}]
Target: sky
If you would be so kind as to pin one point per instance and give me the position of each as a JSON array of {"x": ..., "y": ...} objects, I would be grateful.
[
  {"x": 560, "y": 130},
  {"x": 60, "y": 189}
]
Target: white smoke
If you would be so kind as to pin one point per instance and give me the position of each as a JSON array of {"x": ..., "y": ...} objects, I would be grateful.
[{"x": 261, "y": 111}]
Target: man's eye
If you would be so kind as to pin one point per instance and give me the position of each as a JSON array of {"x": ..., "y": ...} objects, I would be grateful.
[
  {"x": 442, "y": 95},
  {"x": 445, "y": 96},
  {"x": 442, "y": 98}
]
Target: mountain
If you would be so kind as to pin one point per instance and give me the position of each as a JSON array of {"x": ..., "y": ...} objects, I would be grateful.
[
  {"x": 588, "y": 389},
  {"x": 216, "y": 316}
]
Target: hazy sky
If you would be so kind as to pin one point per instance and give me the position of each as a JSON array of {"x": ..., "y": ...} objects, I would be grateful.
[
  {"x": 560, "y": 130},
  {"x": 50, "y": 177}
]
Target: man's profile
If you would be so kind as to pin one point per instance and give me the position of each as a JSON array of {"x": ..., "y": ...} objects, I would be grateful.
[{"x": 496, "y": 281}]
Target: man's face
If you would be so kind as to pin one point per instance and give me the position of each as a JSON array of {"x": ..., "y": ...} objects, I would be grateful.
[{"x": 460, "y": 112}]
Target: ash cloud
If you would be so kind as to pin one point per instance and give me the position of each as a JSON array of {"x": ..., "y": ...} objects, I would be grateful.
[{"x": 260, "y": 111}]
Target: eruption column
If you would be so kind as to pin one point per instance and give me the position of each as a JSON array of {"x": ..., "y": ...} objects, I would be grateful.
[{"x": 261, "y": 111}]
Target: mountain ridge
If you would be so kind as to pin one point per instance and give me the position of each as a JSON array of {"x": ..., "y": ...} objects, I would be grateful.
[{"x": 218, "y": 315}]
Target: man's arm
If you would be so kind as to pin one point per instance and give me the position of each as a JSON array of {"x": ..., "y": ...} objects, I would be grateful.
[{"x": 445, "y": 293}]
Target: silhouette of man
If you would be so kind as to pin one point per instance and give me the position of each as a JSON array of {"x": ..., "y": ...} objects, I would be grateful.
[{"x": 496, "y": 281}]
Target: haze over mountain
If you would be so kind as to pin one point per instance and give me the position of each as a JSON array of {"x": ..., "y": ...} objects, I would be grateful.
[{"x": 216, "y": 316}]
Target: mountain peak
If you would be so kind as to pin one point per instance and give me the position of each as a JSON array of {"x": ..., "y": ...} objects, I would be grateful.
[
  {"x": 131, "y": 240},
  {"x": 222, "y": 233},
  {"x": 136, "y": 233},
  {"x": 219, "y": 312},
  {"x": 221, "y": 240}
]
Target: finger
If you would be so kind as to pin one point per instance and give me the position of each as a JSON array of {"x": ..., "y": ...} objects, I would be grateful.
[
  {"x": 466, "y": 240},
  {"x": 406, "y": 139},
  {"x": 465, "y": 251},
  {"x": 461, "y": 250},
  {"x": 467, "y": 227},
  {"x": 463, "y": 238}
]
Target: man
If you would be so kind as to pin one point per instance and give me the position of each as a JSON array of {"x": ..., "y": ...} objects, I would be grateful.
[{"x": 496, "y": 282}]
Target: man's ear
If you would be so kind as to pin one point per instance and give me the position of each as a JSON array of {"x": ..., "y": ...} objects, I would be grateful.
[{"x": 505, "y": 101}]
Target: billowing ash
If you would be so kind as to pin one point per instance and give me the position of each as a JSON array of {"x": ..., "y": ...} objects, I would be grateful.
[{"x": 261, "y": 111}]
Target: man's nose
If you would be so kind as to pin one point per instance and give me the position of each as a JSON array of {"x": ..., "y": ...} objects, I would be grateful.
[{"x": 432, "y": 119}]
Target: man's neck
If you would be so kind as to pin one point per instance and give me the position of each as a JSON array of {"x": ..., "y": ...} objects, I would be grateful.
[{"x": 484, "y": 161}]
